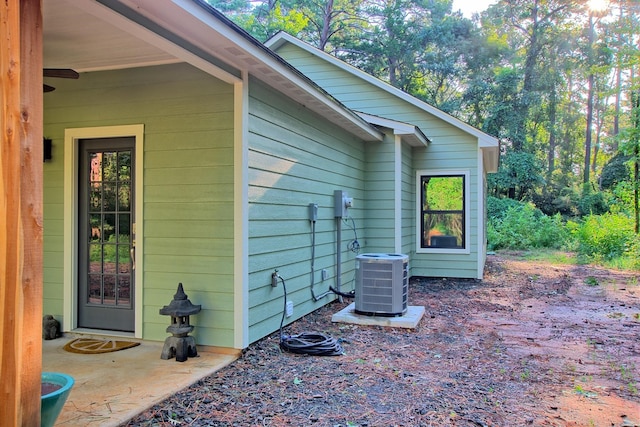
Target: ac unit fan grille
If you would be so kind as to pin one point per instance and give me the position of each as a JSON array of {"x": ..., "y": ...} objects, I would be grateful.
[{"x": 382, "y": 285}]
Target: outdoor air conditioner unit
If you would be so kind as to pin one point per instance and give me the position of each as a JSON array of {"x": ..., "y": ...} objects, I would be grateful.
[{"x": 382, "y": 284}]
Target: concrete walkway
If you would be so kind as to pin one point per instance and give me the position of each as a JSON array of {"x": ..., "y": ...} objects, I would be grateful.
[{"x": 111, "y": 388}]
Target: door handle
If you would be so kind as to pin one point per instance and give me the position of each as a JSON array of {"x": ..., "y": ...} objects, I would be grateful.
[{"x": 132, "y": 254}]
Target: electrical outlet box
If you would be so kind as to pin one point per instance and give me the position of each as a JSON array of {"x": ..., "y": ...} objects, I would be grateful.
[
  {"x": 289, "y": 310},
  {"x": 324, "y": 274},
  {"x": 342, "y": 202},
  {"x": 313, "y": 212}
]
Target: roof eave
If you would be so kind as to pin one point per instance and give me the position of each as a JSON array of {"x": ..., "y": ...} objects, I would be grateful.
[{"x": 412, "y": 134}]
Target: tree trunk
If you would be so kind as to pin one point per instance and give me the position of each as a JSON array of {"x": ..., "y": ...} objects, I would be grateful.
[
  {"x": 636, "y": 190},
  {"x": 326, "y": 25},
  {"x": 635, "y": 100},
  {"x": 20, "y": 212},
  {"x": 598, "y": 119},
  {"x": 590, "y": 84},
  {"x": 616, "y": 116},
  {"x": 551, "y": 154}
]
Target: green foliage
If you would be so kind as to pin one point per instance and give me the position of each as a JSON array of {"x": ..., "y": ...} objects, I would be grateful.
[
  {"x": 604, "y": 238},
  {"x": 444, "y": 193},
  {"x": 262, "y": 21},
  {"x": 553, "y": 256},
  {"x": 607, "y": 239},
  {"x": 615, "y": 171},
  {"x": 570, "y": 203},
  {"x": 518, "y": 175},
  {"x": 623, "y": 198},
  {"x": 497, "y": 207},
  {"x": 111, "y": 252},
  {"x": 501, "y": 115},
  {"x": 554, "y": 199},
  {"x": 275, "y": 20},
  {"x": 523, "y": 226},
  {"x": 592, "y": 202}
]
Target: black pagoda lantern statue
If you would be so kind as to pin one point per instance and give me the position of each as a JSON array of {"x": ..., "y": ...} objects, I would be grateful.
[{"x": 179, "y": 345}]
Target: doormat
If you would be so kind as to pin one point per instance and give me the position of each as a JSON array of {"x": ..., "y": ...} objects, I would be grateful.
[{"x": 95, "y": 346}]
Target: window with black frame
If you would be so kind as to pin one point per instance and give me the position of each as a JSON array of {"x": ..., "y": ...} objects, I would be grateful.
[{"x": 443, "y": 211}]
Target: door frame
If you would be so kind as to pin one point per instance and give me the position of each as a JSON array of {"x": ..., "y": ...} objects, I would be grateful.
[{"x": 72, "y": 137}]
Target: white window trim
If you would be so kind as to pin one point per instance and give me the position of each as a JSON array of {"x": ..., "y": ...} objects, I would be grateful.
[
  {"x": 467, "y": 214},
  {"x": 72, "y": 137}
]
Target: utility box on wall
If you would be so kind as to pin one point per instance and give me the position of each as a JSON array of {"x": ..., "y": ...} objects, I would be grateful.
[
  {"x": 382, "y": 284},
  {"x": 342, "y": 202}
]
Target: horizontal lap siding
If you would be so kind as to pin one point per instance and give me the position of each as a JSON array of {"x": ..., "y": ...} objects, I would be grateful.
[
  {"x": 380, "y": 196},
  {"x": 188, "y": 193},
  {"x": 450, "y": 148},
  {"x": 295, "y": 158}
]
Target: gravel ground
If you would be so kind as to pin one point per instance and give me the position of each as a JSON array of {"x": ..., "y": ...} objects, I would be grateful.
[{"x": 533, "y": 344}]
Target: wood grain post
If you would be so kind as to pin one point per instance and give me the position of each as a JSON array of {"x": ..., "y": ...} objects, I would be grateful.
[{"x": 20, "y": 211}]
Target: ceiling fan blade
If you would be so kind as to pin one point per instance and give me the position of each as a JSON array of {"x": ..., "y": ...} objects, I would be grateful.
[
  {"x": 64, "y": 73},
  {"x": 47, "y": 88}
]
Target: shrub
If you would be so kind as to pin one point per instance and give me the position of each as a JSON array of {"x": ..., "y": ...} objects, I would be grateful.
[
  {"x": 522, "y": 226},
  {"x": 622, "y": 195},
  {"x": 552, "y": 200},
  {"x": 608, "y": 237},
  {"x": 592, "y": 202},
  {"x": 497, "y": 207},
  {"x": 615, "y": 171}
]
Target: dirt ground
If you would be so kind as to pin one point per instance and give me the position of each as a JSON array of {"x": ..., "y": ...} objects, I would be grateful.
[{"x": 533, "y": 344}]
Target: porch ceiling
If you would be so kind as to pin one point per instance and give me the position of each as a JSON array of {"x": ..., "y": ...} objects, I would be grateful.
[
  {"x": 89, "y": 35},
  {"x": 74, "y": 38}
]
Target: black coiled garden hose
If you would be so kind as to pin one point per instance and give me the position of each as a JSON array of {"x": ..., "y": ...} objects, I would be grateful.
[{"x": 311, "y": 343}]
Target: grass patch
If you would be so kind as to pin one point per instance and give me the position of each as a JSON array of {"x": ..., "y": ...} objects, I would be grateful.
[
  {"x": 591, "y": 281},
  {"x": 551, "y": 256},
  {"x": 558, "y": 257}
]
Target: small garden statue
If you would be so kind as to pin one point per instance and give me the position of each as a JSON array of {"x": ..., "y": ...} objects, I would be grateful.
[
  {"x": 180, "y": 345},
  {"x": 50, "y": 328}
]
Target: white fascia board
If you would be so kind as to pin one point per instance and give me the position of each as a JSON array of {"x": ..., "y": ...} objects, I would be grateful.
[
  {"x": 490, "y": 157},
  {"x": 113, "y": 17},
  {"x": 484, "y": 140},
  {"x": 413, "y": 134}
]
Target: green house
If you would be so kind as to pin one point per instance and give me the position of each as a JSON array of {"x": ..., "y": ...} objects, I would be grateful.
[{"x": 188, "y": 152}]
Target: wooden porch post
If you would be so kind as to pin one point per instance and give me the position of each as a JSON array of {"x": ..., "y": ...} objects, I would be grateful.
[{"x": 20, "y": 211}]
